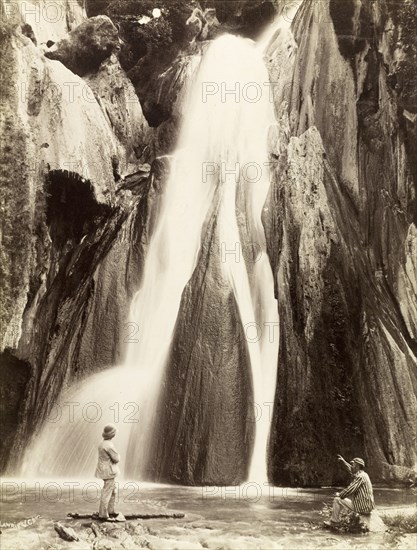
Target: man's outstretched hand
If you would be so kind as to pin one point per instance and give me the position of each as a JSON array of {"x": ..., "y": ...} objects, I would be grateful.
[{"x": 344, "y": 463}]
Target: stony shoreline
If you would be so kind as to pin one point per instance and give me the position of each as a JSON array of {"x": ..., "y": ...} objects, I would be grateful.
[{"x": 196, "y": 532}]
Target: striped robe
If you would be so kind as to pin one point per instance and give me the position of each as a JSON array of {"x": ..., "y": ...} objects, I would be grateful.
[{"x": 360, "y": 492}]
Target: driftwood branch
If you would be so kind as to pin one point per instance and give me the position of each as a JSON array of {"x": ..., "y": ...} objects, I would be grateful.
[{"x": 76, "y": 515}]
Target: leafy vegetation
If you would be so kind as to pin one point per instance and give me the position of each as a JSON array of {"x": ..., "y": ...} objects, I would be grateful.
[
  {"x": 159, "y": 33},
  {"x": 152, "y": 32},
  {"x": 404, "y": 17},
  {"x": 404, "y": 14},
  {"x": 403, "y": 523}
]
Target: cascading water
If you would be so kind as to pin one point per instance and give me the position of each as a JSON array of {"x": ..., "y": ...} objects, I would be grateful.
[
  {"x": 222, "y": 154},
  {"x": 245, "y": 110}
]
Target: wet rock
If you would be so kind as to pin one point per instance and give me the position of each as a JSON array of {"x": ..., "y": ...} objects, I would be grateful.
[
  {"x": 373, "y": 522},
  {"x": 204, "y": 433},
  {"x": 163, "y": 96},
  {"x": 66, "y": 533},
  {"x": 87, "y": 45},
  {"x": 134, "y": 182},
  {"x": 339, "y": 252},
  {"x": 163, "y": 93},
  {"x": 14, "y": 375},
  {"x": 317, "y": 327}
]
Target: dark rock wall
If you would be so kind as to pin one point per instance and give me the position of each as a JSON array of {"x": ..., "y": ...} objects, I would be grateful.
[
  {"x": 340, "y": 239},
  {"x": 204, "y": 433},
  {"x": 14, "y": 376},
  {"x": 319, "y": 324}
]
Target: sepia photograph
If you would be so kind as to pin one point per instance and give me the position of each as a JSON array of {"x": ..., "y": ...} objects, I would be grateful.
[{"x": 208, "y": 274}]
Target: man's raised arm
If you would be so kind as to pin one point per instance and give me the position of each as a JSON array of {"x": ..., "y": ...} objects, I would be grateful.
[{"x": 345, "y": 464}]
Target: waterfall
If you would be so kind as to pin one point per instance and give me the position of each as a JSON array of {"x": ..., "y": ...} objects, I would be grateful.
[
  {"x": 245, "y": 117},
  {"x": 221, "y": 154}
]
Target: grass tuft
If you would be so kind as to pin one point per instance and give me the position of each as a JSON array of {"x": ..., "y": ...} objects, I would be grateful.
[{"x": 403, "y": 523}]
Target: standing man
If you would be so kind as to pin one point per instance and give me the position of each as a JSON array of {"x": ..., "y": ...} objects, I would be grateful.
[
  {"x": 107, "y": 470},
  {"x": 358, "y": 496}
]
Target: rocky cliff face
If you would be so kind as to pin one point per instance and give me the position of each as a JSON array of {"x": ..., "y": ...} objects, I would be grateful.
[
  {"x": 70, "y": 221},
  {"x": 340, "y": 234}
]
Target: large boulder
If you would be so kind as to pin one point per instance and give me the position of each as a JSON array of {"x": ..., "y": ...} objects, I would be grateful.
[
  {"x": 373, "y": 522},
  {"x": 83, "y": 50}
]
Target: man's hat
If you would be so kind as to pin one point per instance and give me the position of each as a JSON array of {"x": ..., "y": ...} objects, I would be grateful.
[
  {"x": 359, "y": 461},
  {"x": 109, "y": 431}
]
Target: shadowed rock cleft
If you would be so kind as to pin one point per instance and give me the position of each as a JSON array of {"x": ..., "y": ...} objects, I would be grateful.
[{"x": 72, "y": 208}]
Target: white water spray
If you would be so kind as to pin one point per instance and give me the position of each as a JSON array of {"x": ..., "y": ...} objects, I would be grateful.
[{"x": 223, "y": 145}]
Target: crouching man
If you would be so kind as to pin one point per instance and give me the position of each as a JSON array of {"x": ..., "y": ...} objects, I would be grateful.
[{"x": 358, "y": 496}]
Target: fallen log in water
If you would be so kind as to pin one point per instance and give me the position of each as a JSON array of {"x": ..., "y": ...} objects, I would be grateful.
[{"x": 76, "y": 515}]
